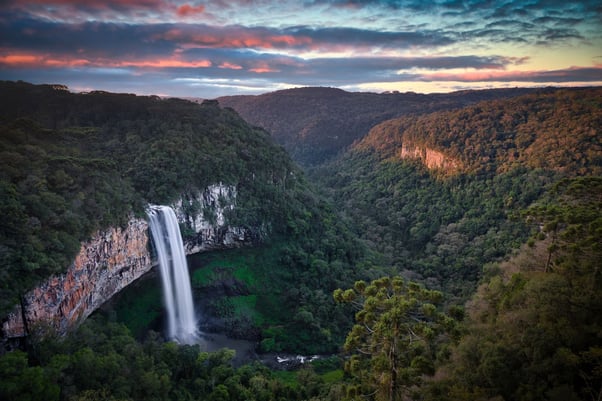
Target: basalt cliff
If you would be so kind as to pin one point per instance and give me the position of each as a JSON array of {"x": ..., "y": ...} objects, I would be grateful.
[
  {"x": 115, "y": 257},
  {"x": 432, "y": 159}
]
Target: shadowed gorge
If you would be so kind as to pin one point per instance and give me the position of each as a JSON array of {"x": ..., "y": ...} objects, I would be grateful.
[{"x": 148, "y": 150}]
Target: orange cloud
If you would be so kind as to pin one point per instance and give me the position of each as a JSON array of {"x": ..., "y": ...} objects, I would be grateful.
[
  {"x": 187, "y": 10},
  {"x": 474, "y": 76},
  {"x": 29, "y": 60},
  {"x": 582, "y": 74},
  {"x": 230, "y": 66},
  {"x": 18, "y": 60},
  {"x": 262, "y": 68},
  {"x": 234, "y": 39},
  {"x": 164, "y": 63}
]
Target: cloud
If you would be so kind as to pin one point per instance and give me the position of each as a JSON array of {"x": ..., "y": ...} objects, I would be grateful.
[
  {"x": 231, "y": 37},
  {"x": 300, "y": 38},
  {"x": 104, "y": 40},
  {"x": 572, "y": 74},
  {"x": 363, "y": 37},
  {"x": 93, "y": 39},
  {"x": 230, "y": 66},
  {"x": 187, "y": 10},
  {"x": 41, "y": 61},
  {"x": 70, "y": 11},
  {"x": 223, "y": 44}
]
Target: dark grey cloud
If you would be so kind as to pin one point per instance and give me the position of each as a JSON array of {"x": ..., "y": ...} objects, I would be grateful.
[
  {"x": 113, "y": 39},
  {"x": 360, "y": 37},
  {"x": 108, "y": 39}
]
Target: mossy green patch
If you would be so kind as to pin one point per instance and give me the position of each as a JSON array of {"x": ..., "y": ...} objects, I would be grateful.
[
  {"x": 334, "y": 376},
  {"x": 238, "y": 264},
  {"x": 246, "y": 305},
  {"x": 140, "y": 307},
  {"x": 286, "y": 377}
]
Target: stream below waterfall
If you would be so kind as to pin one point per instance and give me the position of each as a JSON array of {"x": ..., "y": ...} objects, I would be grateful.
[{"x": 140, "y": 306}]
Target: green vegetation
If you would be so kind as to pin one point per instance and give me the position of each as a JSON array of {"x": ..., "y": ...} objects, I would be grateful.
[
  {"x": 515, "y": 230},
  {"x": 316, "y": 124},
  {"x": 283, "y": 290},
  {"x": 102, "y": 361},
  {"x": 557, "y": 131},
  {"x": 439, "y": 232},
  {"x": 441, "y": 227},
  {"x": 71, "y": 164},
  {"x": 533, "y": 331},
  {"x": 394, "y": 340},
  {"x": 140, "y": 306}
]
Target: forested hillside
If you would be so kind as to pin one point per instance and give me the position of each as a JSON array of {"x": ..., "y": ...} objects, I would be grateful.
[
  {"x": 441, "y": 225},
  {"x": 315, "y": 124},
  {"x": 547, "y": 130},
  {"x": 533, "y": 327},
  {"x": 74, "y": 163}
]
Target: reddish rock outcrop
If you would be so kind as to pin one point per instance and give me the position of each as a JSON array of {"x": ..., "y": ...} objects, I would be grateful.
[
  {"x": 432, "y": 159},
  {"x": 107, "y": 263}
]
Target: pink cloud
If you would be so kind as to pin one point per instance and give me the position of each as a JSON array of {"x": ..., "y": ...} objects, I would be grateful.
[
  {"x": 187, "y": 10},
  {"x": 262, "y": 68},
  {"x": 164, "y": 63},
  {"x": 563, "y": 75}
]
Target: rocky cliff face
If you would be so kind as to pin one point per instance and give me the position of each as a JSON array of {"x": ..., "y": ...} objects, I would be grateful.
[
  {"x": 432, "y": 159},
  {"x": 111, "y": 260},
  {"x": 116, "y": 257},
  {"x": 204, "y": 214}
]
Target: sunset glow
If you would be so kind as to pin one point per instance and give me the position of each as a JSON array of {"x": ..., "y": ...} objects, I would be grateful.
[{"x": 164, "y": 46}]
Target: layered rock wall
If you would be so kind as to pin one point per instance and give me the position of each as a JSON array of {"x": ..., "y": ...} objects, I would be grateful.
[
  {"x": 432, "y": 159},
  {"x": 116, "y": 257},
  {"x": 107, "y": 263},
  {"x": 204, "y": 213}
]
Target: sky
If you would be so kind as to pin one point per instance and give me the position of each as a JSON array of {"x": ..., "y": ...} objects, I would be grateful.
[{"x": 207, "y": 49}]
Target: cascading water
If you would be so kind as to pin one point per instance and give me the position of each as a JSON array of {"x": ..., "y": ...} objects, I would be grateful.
[{"x": 181, "y": 323}]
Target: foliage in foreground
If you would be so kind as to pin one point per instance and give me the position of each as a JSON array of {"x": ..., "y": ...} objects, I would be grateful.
[
  {"x": 532, "y": 333},
  {"x": 393, "y": 343},
  {"x": 102, "y": 361}
]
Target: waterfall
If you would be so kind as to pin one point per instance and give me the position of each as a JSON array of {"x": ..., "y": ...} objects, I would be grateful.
[{"x": 181, "y": 324}]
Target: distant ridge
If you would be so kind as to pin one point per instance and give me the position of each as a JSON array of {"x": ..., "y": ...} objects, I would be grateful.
[
  {"x": 552, "y": 129},
  {"x": 316, "y": 123}
]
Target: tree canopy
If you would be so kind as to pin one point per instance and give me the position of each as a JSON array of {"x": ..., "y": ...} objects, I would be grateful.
[{"x": 394, "y": 340}]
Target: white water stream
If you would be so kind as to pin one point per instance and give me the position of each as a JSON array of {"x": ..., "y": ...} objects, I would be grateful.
[{"x": 181, "y": 322}]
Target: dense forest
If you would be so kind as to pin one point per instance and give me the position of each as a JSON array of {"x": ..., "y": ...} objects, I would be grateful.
[
  {"x": 477, "y": 282},
  {"x": 442, "y": 225},
  {"x": 316, "y": 124}
]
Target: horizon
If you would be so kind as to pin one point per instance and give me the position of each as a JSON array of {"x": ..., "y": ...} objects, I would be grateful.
[
  {"x": 62, "y": 86},
  {"x": 205, "y": 50}
]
